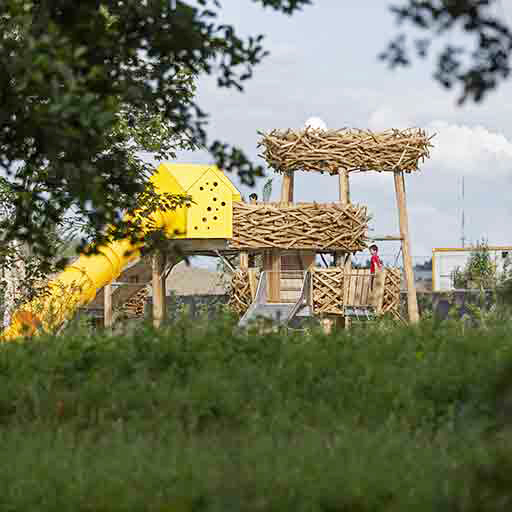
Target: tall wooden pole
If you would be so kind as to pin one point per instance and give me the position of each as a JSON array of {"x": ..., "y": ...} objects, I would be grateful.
[
  {"x": 158, "y": 285},
  {"x": 344, "y": 200},
  {"x": 272, "y": 258},
  {"x": 244, "y": 255},
  {"x": 343, "y": 259},
  {"x": 107, "y": 306},
  {"x": 412, "y": 302},
  {"x": 344, "y": 187},
  {"x": 287, "y": 187}
]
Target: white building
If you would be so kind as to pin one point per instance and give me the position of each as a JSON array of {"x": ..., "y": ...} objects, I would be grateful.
[{"x": 446, "y": 260}]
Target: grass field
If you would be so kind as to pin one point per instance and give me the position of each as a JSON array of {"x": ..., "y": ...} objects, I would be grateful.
[{"x": 196, "y": 418}]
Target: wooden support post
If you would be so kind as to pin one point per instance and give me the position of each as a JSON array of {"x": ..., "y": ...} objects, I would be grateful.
[
  {"x": 412, "y": 302},
  {"x": 250, "y": 257},
  {"x": 244, "y": 255},
  {"x": 107, "y": 306},
  {"x": 158, "y": 285},
  {"x": 244, "y": 260},
  {"x": 272, "y": 257},
  {"x": 344, "y": 187},
  {"x": 343, "y": 259},
  {"x": 287, "y": 187},
  {"x": 272, "y": 265}
]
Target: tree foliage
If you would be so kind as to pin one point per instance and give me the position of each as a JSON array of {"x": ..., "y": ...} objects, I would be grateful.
[
  {"x": 476, "y": 71},
  {"x": 479, "y": 272},
  {"x": 83, "y": 83}
]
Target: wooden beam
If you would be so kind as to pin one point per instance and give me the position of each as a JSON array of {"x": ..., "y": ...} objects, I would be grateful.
[
  {"x": 340, "y": 259},
  {"x": 412, "y": 301},
  {"x": 287, "y": 187},
  {"x": 272, "y": 265},
  {"x": 344, "y": 187},
  {"x": 272, "y": 257},
  {"x": 107, "y": 306},
  {"x": 384, "y": 238},
  {"x": 244, "y": 255},
  {"x": 158, "y": 285}
]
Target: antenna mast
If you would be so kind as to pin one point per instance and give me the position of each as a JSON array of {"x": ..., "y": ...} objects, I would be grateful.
[{"x": 463, "y": 236}]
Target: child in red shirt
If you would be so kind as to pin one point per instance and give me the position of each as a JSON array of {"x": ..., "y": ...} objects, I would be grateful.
[{"x": 375, "y": 261}]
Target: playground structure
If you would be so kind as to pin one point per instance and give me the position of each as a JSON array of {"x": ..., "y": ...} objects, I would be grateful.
[
  {"x": 290, "y": 236},
  {"x": 286, "y": 236}
]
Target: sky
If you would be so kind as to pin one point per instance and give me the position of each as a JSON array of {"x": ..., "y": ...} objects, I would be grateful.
[{"x": 323, "y": 63}]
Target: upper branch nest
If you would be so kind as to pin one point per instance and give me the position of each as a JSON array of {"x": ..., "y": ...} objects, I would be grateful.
[{"x": 347, "y": 149}]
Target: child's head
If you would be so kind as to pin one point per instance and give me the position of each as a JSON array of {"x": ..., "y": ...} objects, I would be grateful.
[{"x": 374, "y": 249}]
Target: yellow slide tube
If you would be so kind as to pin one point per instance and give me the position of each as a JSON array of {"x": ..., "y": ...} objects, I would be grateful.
[{"x": 78, "y": 283}]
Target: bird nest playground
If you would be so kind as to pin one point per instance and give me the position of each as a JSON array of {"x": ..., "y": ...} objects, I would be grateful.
[{"x": 272, "y": 248}]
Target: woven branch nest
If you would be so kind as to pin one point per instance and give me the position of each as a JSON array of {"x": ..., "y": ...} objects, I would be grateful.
[
  {"x": 329, "y": 226},
  {"x": 391, "y": 302},
  {"x": 346, "y": 149},
  {"x": 330, "y": 292},
  {"x": 240, "y": 297}
]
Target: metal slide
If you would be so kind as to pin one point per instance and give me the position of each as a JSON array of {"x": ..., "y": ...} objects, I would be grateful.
[{"x": 280, "y": 312}]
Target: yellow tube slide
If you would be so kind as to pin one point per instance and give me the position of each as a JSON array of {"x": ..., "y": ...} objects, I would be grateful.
[
  {"x": 79, "y": 282},
  {"x": 208, "y": 216}
]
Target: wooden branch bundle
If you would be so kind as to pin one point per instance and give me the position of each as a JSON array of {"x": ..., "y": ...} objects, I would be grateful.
[
  {"x": 332, "y": 289},
  {"x": 134, "y": 306},
  {"x": 327, "y": 291},
  {"x": 391, "y": 303},
  {"x": 240, "y": 297},
  {"x": 330, "y": 226},
  {"x": 347, "y": 149}
]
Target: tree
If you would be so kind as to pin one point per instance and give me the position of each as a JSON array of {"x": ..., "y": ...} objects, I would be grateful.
[
  {"x": 23, "y": 273},
  {"x": 70, "y": 73},
  {"x": 475, "y": 71},
  {"x": 479, "y": 272}
]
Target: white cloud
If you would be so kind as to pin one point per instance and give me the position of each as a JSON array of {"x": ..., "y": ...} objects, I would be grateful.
[
  {"x": 459, "y": 149},
  {"x": 475, "y": 150}
]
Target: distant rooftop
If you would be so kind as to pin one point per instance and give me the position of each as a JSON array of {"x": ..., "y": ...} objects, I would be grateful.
[{"x": 189, "y": 280}]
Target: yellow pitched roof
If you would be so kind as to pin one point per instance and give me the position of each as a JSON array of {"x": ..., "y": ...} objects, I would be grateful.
[{"x": 187, "y": 174}]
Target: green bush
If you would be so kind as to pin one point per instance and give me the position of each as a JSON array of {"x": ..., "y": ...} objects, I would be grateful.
[{"x": 199, "y": 416}]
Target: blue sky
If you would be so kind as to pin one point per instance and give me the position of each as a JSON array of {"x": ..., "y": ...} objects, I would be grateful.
[{"x": 323, "y": 63}]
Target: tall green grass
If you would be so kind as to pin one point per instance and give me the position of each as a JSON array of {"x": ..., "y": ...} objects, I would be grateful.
[{"x": 199, "y": 416}]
